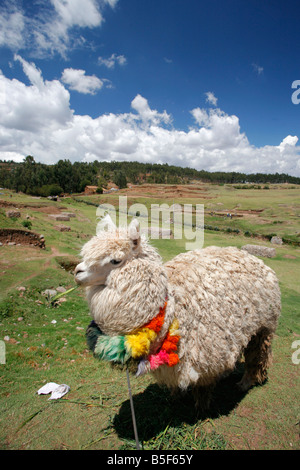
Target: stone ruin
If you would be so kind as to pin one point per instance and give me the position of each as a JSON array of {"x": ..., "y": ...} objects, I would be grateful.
[{"x": 11, "y": 236}]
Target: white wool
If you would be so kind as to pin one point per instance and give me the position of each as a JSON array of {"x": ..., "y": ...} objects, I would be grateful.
[{"x": 221, "y": 297}]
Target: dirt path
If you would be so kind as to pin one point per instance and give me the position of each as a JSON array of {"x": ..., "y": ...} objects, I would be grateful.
[{"x": 54, "y": 252}]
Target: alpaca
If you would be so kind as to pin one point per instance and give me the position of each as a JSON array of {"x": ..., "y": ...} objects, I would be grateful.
[{"x": 186, "y": 321}]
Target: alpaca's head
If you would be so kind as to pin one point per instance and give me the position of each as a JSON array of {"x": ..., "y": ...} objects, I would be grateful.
[{"x": 110, "y": 249}]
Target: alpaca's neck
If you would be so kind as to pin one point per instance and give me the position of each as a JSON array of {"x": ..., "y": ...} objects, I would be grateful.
[{"x": 131, "y": 297}]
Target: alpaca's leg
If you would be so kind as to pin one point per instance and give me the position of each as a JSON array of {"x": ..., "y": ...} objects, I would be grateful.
[
  {"x": 258, "y": 357},
  {"x": 202, "y": 396}
]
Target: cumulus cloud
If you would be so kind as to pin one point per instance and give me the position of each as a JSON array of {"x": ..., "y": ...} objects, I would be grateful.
[
  {"x": 26, "y": 111},
  {"x": 211, "y": 99},
  {"x": 50, "y": 30},
  {"x": 78, "y": 81},
  {"x": 36, "y": 119},
  {"x": 112, "y": 61},
  {"x": 148, "y": 115}
]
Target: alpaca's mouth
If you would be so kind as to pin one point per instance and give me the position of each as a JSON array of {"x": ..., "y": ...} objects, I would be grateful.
[
  {"x": 77, "y": 277},
  {"x": 79, "y": 274},
  {"x": 84, "y": 277}
]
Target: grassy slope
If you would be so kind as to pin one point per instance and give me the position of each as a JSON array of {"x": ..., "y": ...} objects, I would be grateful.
[{"x": 95, "y": 414}]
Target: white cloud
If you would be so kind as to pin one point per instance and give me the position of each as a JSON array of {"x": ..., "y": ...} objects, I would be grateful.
[
  {"x": 74, "y": 13},
  {"x": 31, "y": 71},
  {"x": 112, "y": 61},
  {"x": 51, "y": 29},
  {"x": 12, "y": 25},
  {"x": 148, "y": 115},
  {"x": 36, "y": 119},
  {"x": 27, "y": 110},
  {"x": 258, "y": 69},
  {"x": 77, "y": 80},
  {"x": 211, "y": 99}
]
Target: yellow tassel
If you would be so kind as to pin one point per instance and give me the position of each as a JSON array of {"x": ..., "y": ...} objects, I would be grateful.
[
  {"x": 174, "y": 328},
  {"x": 139, "y": 344}
]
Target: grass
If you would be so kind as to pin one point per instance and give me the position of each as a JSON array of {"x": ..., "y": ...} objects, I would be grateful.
[{"x": 47, "y": 343}]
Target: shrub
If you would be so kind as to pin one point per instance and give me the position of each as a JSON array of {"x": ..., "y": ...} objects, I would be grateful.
[
  {"x": 27, "y": 224},
  {"x": 47, "y": 190}
]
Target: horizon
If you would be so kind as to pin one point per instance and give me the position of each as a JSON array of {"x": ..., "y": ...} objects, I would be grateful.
[{"x": 162, "y": 164}]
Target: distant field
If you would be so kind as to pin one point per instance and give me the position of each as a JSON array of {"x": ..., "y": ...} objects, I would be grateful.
[{"x": 95, "y": 414}]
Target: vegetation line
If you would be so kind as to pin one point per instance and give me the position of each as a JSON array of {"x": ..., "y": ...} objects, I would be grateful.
[{"x": 40, "y": 179}]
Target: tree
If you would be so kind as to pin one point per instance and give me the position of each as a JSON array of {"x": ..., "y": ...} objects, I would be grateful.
[{"x": 119, "y": 178}]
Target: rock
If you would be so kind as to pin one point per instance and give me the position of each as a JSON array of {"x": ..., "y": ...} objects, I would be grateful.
[
  {"x": 276, "y": 240},
  {"x": 62, "y": 228},
  {"x": 13, "y": 213},
  {"x": 10, "y": 340},
  {"x": 59, "y": 217},
  {"x": 69, "y": 214},
  {"x": 11, "y": 243},
  {"x": 259, "y": 250},
  {"x": 49, "y": 292},
  {"x": 21, "y": 288},
  {"x": 60, "y": 289}
]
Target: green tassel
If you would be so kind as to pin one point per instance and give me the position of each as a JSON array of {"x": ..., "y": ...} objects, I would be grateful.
[
  {"x": 92, "y": 334},
  {"x": 112, "y": 348}
]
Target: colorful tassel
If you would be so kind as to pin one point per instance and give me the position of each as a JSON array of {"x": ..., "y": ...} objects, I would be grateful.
[
  {"x": 137, "y": 345},
  {"x": 143, "y": 367}
]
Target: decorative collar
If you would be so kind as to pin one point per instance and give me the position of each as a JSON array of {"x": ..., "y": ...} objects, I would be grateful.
[{"x": 136, "y": 346}]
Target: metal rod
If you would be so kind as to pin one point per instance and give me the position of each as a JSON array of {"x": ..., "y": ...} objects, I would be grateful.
[{"x": 132, "y": 412}]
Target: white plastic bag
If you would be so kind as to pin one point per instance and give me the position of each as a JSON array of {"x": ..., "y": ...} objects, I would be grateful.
[{"x": 56, "y": 390}]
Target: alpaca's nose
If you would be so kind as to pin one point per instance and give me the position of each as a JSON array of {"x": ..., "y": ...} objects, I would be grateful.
[{"x": 78, "y": 269}]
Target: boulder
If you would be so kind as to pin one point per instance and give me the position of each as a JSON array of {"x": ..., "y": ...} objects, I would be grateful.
[
  {"x": 62, "y": 228},
  {"x": 49, "y": 293},
  {"x": 276, "y": 240},
  {"x": 259, "y": 250},
  {"x": 59, "y": 217},
  {"x": 60, "y": 289},
  {"x": 69, "y": 214},
  {"x": 13, "y": 213}
]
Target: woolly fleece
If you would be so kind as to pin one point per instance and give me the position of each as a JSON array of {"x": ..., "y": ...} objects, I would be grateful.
[{"x": 221, "y": 297}]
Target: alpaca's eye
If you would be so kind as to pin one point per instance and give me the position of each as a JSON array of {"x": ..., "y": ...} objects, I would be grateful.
[{"x": 114, "y": 261}]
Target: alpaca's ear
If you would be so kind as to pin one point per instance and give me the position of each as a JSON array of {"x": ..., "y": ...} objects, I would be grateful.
[
  {"x": 134, "y": 232},
  {"x": 106, "y": 224}
]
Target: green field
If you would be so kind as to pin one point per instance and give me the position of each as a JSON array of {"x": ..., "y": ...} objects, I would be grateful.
[{"x": 45, "y": 342}]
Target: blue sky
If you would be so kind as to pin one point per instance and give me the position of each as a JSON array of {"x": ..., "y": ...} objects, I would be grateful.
[{"x": 190, "y": 83}]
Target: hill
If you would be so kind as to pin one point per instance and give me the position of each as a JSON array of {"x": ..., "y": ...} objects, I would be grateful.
[{"x": 39, "y": 179}]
